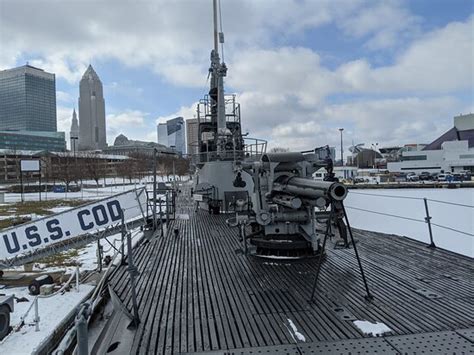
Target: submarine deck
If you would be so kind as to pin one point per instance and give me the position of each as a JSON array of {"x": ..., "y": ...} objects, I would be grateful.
[{"x": 197, "y": 294}]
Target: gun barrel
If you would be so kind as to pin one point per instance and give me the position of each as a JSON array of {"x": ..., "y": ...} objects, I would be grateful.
[
  {"x": 288, "y": 201},
  {"x": 313, "y": 189}
]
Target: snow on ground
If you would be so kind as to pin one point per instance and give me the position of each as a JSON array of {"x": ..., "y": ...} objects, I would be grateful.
[
  {"x": 373, "y": 329},
  {"x": 388, "y": 201},
  {"x": 60, "y": 209},
  {"x": 294, "y": 331},
  {"x": 84, "y": 194},
  {"x": 51, "y": 312},
  {"x": 87, "y": 193}
]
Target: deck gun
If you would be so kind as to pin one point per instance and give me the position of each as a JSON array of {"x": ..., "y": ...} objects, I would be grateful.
[{"x": 286, "y": 204}]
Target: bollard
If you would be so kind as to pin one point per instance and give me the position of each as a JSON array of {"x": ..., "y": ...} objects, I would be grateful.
[{"x": 428, "y": 221}]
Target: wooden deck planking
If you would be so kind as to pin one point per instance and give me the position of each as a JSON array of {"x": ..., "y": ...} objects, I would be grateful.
[{"x": 197, "y": 294}]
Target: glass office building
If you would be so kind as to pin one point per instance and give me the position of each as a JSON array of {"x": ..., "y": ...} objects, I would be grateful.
[
  {"x": 22, "y": 140},
  {"x": 27, "y": 100},
  {"x": 176, "y": 137}
]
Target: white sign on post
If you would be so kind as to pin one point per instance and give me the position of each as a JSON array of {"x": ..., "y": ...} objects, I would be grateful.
[
  {"x": 30, "y": 165},
  {"x": 78, "y": 221}
]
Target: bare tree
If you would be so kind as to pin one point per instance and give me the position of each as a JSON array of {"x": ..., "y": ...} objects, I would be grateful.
[
  {"x": 64, "y": 168},
  {"x": 165, "y": 164},
  {"x": 127, "y": 169},
  {"x": 95, "y": 167},
  {"x": 182, "y": 166}
]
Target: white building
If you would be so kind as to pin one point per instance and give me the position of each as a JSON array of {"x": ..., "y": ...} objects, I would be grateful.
[{"x": 451, "y": 152}]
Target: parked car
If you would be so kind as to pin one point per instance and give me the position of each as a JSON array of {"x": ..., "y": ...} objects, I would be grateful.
[
  {"x": 444, "y": 177},
  {"x": 425, "y": 176},
  {"x": 466, "y": 175},
  {"x": 412, "y": 177}
]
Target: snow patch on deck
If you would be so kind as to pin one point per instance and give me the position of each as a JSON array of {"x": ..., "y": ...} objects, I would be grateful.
[
  {"x": 369, "y": 328},
  {"x": 296, "y": 334},
  {"x": 52, "y": 311}
]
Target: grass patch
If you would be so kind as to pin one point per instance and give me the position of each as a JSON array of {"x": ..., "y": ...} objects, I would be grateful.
[
  {"x": 66, "y": 258},
  {"x": 41, "y": 208}
]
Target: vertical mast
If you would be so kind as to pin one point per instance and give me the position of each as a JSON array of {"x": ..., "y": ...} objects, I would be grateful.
[
  {"x": 219, "y": 70},
  {"x": 216, "y": 32}
]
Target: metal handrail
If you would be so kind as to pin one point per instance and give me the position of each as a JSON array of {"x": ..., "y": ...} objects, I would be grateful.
[{"x": 413, "y": 198}]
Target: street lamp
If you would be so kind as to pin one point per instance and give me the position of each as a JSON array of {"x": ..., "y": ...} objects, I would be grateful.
[
  {"x": 342, "y": 156},
  {"x": 74, "y": 139}
]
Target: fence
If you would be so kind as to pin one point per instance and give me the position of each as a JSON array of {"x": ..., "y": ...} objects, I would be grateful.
[{"x": 420, "y": 216}]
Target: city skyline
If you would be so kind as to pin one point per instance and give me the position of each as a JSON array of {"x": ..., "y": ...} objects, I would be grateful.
[{"x": 315, "y": 67}]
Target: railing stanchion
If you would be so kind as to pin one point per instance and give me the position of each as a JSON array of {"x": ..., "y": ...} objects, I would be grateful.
[
  {"x": 37, "y": 317},
  {"x": 81, "y": 330},
  {"x": 77, "y": 278},
  {"x": 132, "y": 270},
  {"x": 428, "y": 221}
]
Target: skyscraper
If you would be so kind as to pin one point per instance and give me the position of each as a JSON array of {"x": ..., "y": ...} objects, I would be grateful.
[
  {"x": 27, "y": 99},
  {"x": 74, "y": 133},
  {"x": 192, "y": 136},
  {"x": 163, "y": 134},
  {"x": 92, "y": 134},
  {"x": 176, "y": 137}
]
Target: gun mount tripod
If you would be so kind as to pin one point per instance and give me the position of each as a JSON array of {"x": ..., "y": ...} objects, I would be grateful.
[{"x": 338, "y": 206}]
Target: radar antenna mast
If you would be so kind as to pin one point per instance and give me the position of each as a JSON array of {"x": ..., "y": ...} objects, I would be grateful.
[{"x": 218, "y": 72}]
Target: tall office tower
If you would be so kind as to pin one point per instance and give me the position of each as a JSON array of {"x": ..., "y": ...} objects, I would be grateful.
[
  {"x": 74, "y": 132},
  {"x": 192, "y": 135},
  {"x": 92, "y": 135},
  {"x": 27, "y": 100},
  {"x": 176, "y": 136},
  {"x": 163, "y": 134}
]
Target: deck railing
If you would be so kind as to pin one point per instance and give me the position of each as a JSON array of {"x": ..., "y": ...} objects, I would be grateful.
[{"x": 424, "y": 204}]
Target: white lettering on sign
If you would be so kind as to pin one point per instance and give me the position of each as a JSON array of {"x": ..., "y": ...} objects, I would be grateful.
[
  {"x": 29, "y": 165},
  {"x": 72, "y": 223}
]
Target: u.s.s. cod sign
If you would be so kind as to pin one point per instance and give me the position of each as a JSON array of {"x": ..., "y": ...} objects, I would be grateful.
[{"x": 72, "y": 223}]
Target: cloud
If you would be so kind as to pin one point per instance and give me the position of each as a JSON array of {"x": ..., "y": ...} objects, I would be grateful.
[
  {"x": 126, "y": 118},
  {"x": 134, "y": 124},
  {"x": 64, "y": 118},
  {"x": 184, "y": 111},
  {"x": 160, "y": 35},
  {"x": 384, "y": 24},
  {"x": 385, "y": 121},
  {"x": 64, "y": 97},
  {"x": 287, "y": 92}
]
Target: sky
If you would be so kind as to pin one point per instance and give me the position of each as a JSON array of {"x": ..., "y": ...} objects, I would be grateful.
[{"x": 388, "y": 72}]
